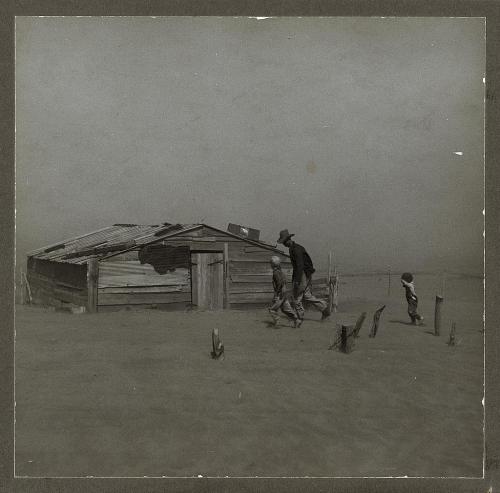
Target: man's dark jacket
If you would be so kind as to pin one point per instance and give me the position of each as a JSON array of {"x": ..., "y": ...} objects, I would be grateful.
[{"x": 301, "y": 262}]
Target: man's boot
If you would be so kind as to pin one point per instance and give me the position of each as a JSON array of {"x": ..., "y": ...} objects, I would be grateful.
[{"x": 325, "y": 314}]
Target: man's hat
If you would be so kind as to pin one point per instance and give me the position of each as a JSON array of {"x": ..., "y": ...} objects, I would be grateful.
[{"x": 284, "y": 235}]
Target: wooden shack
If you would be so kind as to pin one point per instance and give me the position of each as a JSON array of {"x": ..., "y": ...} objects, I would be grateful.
[{"x": 168, "y": 266}]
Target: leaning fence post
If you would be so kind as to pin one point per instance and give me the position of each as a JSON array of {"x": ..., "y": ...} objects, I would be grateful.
[
  {"x": 376, "y": 320},
  {"x": 437, "y": 314},
  {"x": 335, "y": 288},
  {"x": 28, "y": 289},
  {"x": 451, "y": 341},
  {"x": 359, "y": 324},
  {"x": 329, "y": 282}
]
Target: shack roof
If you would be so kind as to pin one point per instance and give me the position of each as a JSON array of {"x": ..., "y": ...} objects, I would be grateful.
[{"x": 116, "y": 239}]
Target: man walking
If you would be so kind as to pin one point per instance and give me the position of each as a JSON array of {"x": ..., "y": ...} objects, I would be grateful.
[{"x": 302, "y": 277}]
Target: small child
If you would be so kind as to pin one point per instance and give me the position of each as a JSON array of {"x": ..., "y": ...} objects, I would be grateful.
[
  {"x": 411, "y": 298},
  {"x": 280, "y": 299}
]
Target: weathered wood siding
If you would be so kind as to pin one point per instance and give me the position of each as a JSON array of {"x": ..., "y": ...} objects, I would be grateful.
[
  {"x": 57, "y": 284},
  {"x": 251, "y": 275},
  {"x": 249, "y": 269},
  {"x": 123, "y": 280}
]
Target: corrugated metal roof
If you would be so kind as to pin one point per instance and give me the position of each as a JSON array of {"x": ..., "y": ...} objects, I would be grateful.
[
  {"x": 128, "y": 236},
  {"x": 108, "y": 237}
]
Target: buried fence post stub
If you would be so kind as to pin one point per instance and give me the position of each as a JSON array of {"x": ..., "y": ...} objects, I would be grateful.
[
  {"x": 437, "y": 315},
  {"x": 344, "y": 339},
  {"x": 338, "y": 338},
  {"x": 347, "y": 339},
  {"x": 451, "y": 341},
  {"x": 217, "y": 346}
]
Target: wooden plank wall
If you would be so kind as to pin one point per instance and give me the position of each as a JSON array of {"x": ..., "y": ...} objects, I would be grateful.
[
  {"x": 123, "y": 280},
  {"x": 251, "y": 276},
  {"x": 57, "y": 284},
  {"x": 250, "y": 273}
]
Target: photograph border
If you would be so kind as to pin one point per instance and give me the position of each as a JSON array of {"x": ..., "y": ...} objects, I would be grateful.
[{"x": 488, "y": 10}]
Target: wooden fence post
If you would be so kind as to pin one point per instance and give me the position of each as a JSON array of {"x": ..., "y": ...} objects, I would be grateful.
[
  {"x": 347, "y": 337},
  {"x": 344, "y": 339},
  {"x": 23, "y": 289},
  {"x": 335, "y": 289},
  {"x": 226, "y": 276},
  {"x": 329, "y": 282},
  {"x": 217, "y": 346},
  {"x": 376, "y": 320},
  {"x": 92, "y": 284},
  {"x": 338, "y": 338},
  {"x": 437, "y": 314},
  {"x": 451, "y": 341},
  {"x": 28, "y": 289},
  {"x": 359, "y": 324}
]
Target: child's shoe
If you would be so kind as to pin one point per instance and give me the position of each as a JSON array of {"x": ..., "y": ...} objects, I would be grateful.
[{"x": 274, "y": 317}]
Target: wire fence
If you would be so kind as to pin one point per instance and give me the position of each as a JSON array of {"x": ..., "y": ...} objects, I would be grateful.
[{"x": 386, "y": 285}]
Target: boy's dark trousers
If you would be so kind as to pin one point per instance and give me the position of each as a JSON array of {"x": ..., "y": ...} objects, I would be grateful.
[{"x": 412, "y": 310}]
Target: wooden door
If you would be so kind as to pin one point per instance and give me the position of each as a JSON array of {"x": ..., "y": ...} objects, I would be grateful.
[{"x": 207, "y": 277}]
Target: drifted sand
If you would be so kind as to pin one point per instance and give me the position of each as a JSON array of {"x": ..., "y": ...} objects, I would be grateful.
[{"x": 136, "y": 394}]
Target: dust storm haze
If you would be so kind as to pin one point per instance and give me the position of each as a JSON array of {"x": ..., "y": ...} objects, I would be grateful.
[{"x": 360, "y": 135}]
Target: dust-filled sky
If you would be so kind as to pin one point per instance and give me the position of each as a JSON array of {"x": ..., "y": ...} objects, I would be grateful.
[{"x": 346, "y": 131}]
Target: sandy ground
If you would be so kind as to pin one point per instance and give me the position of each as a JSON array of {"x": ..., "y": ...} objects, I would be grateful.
[{"x": 136, "y": 394}]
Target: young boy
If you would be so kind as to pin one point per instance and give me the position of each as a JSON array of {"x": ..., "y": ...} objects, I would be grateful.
[
  {"x": 411, "y": 298},
  {"x": 280, "y": 299}
]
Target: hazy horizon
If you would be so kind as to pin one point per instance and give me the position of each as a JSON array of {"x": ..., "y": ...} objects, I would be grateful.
[{"x": 364, "y": 136}]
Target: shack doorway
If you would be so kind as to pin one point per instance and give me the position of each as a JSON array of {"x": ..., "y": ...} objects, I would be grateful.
[{"x": 207, "y": 280}]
